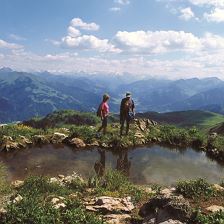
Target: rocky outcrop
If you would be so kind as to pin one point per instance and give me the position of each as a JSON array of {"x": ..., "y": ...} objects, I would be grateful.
[
  {"x": 144, "y": 124},
  {"x": 115, "y": 210},
  {"x": 165, "y": 207},
  {"x": 58, "y": 138},
  {"x": 77, "y": 143},
  {"x": 8, "y": 144}
]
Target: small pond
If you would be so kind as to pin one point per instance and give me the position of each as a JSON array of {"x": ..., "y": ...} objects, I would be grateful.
[{"x": 144, "y": 165}]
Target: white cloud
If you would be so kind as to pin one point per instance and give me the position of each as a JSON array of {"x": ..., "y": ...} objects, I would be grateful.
[
  {"x": 77, "y": 22},
  {"x": 7, "y": 45},
  {"x": 73, "y": 32},
  {"x": 115, "y": 9},
  {"x": 148, "y": 42},
  {"x": 216, "y": 3},
  {"x": 122, "y": 2},
  {"x": 186, "y": 14},
  {"x": 17, "y": 37},
  {"x": 88, "y": 42},
  {"x": 216, "y": 15}
]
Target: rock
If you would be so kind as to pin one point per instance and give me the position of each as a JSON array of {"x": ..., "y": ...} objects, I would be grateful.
[
  {"x": 78, "y": 143},
  {"x": 215, "y": 208},
  {"x": 25, "y": 140},
  {"x": 117, "y": 218},
  {"x": 170, "y": 221},
  {"x": 58, "y": 138},
  {"x": 165, "y": 207},
  {"x": 8, "y": 144},
  {"x": 94, "y": 144},
  {"x": 142, "y": 124},
  {"x": 104, "y": 145},
  {"x": 41, "y": 139},
  {"x": 167, "y": 192},
  {"x": 17, "y": 184},
  {"x": 17, "y": 199},
  {"x": 61, "y": 176},
  {"x": 58, "y": 202},
  {"x": 149, "y": 190},
  {"x": 110, "y": 205},
  {"x": 3, "y": 212},
  {"x": 218, "y": 187}
]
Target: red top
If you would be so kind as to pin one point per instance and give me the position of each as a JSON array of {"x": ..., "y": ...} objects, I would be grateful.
[{"x": 105, "y": 109}]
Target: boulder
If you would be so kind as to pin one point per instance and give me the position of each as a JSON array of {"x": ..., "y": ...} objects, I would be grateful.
[
  {"x": 77, "y": 143},
  {"x": 217, "y": 187},
  {"x": 17, "y": 199},
  {"x": 17, "y": 184},
  {"x": 58, "y": 138},
  {"x": 110, "y": 205},
  {"x": 165, "y": 207},
  {"x": 58, "y": 202},
  {"x": 25, "y": 140},
  {"x": 117, "y": 218},
  {"x": 215, "y": 208},
  {"x": 8, "y": 144}
]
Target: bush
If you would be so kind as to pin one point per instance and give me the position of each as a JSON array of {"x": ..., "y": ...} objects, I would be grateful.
[
  {"x": 215, "y": 218},
  {"x": 195, "y": 188},
  {"x": 114, "y": 183}
]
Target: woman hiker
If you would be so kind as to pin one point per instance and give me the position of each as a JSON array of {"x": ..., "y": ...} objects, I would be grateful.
[{"x": 103, "y": 112}]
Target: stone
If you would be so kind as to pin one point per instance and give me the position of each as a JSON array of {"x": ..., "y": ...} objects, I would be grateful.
[
  {"x": 17, "y": 184},
  {"x": 218, "y": 187},
  {"x": 25, "y": 140},
  {"x": 61, "y": 176},
  {"x": 215, "y": 208},
  {"x": 94, "y": 144},
  {"x": 58, "y": 138},
  {"x": 165, "y": 207},
  {"x": 8, "y": 144},
  {"x": 58, "y": 202},
  {"x": 110, "y": 205},
  {"x": 149, "y": 190},
  {"x": 17, "y": 199},
  {"x": 167, "y": 191},
  {"x": 78, "y": 143},
  {"x": 117, "y": 218},
  {"x": 3, "y": 212}
]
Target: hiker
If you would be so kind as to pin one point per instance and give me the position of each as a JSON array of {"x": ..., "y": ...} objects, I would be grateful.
[
  {"x": 103, "y": 112},
  {"x": 127, "y": 112}
]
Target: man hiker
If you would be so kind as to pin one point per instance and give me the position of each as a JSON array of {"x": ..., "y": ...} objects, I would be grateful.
[
  {"x": 126, "y": 112},
  {"x": 103, "y": 113}
]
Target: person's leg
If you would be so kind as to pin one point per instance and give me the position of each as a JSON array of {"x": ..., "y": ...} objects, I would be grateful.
[
  {"x": 104, "y": 125},
  {"x": 122, "y": 127},
  {"x": 127, "y": 126}
]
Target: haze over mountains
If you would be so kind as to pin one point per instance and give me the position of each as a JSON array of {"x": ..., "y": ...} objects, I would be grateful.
[{"x": 24, "y": 95}]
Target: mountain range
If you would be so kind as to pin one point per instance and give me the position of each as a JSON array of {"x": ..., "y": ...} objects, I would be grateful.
[{"x": 25, "y": 95}]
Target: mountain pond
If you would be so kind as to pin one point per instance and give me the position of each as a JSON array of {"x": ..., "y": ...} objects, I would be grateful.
[{"x": 143, "y": 165}]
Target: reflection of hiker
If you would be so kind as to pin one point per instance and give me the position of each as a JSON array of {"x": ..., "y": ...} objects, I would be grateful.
[
  {"x": 123, "y": 164},
  {"x": 103, "y": 112},
  {"x": 100, "y": 165},
  {"x": 126, "y": 112}
]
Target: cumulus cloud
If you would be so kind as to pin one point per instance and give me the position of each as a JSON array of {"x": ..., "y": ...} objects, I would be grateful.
[
  {"x": 7, "y": 45},
  {"x": 75, "y": 40},
  {"x": 77, "y": 22},
  {"x": 216, "y": 15},
  {"x": 88, "y": 42},
  {"x": 149, "y": 42},
  {"x": 187, "y": 14},
  {"x": 216, "y": 3},
  {"x": 122, "y": 2}
]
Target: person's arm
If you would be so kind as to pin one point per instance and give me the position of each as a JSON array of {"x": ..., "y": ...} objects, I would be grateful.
[
  {"x": 133, "y": 107},
  {"x": 121, "y": 109}
]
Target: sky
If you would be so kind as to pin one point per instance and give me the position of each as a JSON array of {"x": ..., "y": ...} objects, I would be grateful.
[{"x": 160, "y": 38}]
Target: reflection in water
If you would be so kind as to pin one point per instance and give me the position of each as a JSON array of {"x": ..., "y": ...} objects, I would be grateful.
[{"x": 144, "y": 165}]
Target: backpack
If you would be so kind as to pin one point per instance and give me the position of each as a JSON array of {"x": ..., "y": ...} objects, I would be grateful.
[{"x": 99, "y": 110}]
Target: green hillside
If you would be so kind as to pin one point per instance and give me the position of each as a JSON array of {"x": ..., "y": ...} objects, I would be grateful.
[{"x": 200, "y": 119}]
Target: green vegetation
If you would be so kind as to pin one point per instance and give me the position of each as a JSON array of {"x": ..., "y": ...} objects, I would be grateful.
[
  {"x": 4, "y": 188},
  {"x": 36, "y": 206},
  {"x": 200, "y": 119},
  {"x": 195, "y": 189},
  {"x": 215, "y": 218},
  {"x": 115, "y": 184},
  {"x": 63, "y": 117}
]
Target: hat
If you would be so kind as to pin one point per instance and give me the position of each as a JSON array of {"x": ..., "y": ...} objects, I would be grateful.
[{"x": 128, "y": 94}]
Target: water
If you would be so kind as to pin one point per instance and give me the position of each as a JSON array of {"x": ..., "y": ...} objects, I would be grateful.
[{"x": 154, "y": 164}]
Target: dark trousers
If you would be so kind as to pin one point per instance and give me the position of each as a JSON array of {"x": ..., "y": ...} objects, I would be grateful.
[{"x": 122, "y": 121}]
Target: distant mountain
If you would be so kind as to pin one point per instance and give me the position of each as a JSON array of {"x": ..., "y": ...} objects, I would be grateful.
[{"x": 24, "y": 95}]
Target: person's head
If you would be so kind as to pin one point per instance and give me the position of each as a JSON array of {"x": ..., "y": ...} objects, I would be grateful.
[
  {"x": 128, "y": 95},
  {"x": 106, "y": 97}
]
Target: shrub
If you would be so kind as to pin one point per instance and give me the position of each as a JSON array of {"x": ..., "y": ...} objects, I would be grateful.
[
  {"x": 215, "y": 218},
  {"x": 195, "y": 188}
]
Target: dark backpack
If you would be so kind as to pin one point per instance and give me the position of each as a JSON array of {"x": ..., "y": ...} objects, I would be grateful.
[{"x": 99, "y": 110}]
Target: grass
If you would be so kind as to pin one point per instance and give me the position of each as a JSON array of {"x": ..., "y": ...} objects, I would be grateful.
[
  {"x": 4, "y": 187},
  {"x": 215, "y": 218},
  {"x": 195, "y": 189}
]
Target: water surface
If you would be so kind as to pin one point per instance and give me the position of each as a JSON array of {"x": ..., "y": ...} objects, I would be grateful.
[{"x": 154, "y": 164}]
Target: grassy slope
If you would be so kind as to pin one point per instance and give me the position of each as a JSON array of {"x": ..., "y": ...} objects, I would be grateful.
[{"x": 200, "y": 119}]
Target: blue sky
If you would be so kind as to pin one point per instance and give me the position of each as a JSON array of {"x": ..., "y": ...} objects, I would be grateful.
[{"x": 162, "y": 38}]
